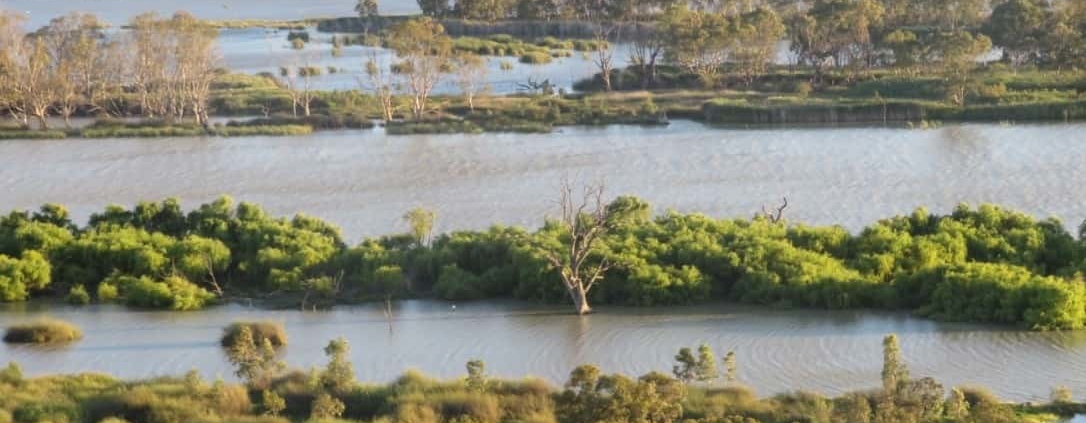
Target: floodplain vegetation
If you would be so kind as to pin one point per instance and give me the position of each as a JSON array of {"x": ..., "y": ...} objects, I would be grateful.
[
  {"x": 863, "y": 61},
  {"x": 976, "y": 264},
  {"x": 697, "y": 390}
]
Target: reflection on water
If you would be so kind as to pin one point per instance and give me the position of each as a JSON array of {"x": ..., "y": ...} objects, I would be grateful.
[
  {"x": 364, "y": 180},
  {"x": 778, "y": 350}
]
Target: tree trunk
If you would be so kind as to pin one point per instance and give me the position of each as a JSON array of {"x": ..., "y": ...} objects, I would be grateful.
[{"x": 580, "y": 300}]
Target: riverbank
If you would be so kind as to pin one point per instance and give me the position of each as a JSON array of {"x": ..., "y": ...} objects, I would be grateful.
[
  {"x": 782, "y": 99},
  {"x": 780, "y": 351},
  {"x": 696, "y": 390}
]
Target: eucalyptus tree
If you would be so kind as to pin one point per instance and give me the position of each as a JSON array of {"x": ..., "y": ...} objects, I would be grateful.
[{"x": 426, "y": 53}]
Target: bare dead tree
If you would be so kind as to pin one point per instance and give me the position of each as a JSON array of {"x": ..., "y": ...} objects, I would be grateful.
[
  {"x": 776, "y": 214},
  {"x": 388, "y": 311},
  {"x": 578, "y": 260},
  {"x": 211, "y": 274}
]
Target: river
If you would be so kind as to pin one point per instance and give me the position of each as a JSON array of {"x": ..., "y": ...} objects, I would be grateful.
[
  {"x": 777, "y": 350},
  {"x": 365, "y": 180}
]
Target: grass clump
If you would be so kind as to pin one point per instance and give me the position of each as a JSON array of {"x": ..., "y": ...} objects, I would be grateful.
[
  {"x": 272, "y": 331},
  {"x": 432, "y": 127},
  {"x": 30, "y": 134},
  {"x": 44, "y": 331},
  {"x": 536, "y": 58}
]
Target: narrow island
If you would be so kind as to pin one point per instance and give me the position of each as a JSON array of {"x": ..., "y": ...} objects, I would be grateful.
[{"x": 758, "y": 63}]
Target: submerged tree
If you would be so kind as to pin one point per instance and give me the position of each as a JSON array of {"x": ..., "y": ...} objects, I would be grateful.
[
  {"x": 894, "y": 371},
  {"x": 731, "y": 369},
  {"x": 575, "y": 252},
  {"x": 470, "y": 76},
  {"x": 339, "y": 374},
  {"x": 476, "y": 375},
  {"x": 255, "y": 363},
  {"x": 421, "y": 223}
]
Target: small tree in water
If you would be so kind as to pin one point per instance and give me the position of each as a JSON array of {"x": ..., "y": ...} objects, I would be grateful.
[
  {"x": 686, "y": 365},
  {"x": 706, "y": 370},
  {"x": 731, "y": 369},
  {"x": 339, "y": 375},
  {"x": 894, "y": 371},
  {"x": 476, "y": 375},
  {"x": 421, "y": 223},
  {"x": 255, "y": 365}
]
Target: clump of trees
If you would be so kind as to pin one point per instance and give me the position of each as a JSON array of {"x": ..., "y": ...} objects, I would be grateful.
[
  {"x": 162, "y": 68},
  {"x": 982, "y": 264}
]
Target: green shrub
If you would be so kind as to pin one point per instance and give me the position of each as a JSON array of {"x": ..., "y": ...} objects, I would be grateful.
[
  {"x": 535, "y": 58},
  {"x": 44, "y": 331},
  {"x": 107, "y": 292},
  {"x": 78, "y": 295},
  {"x": 30, "y": 134},
  {"x": 174, "y": 293},
  {"x": 273, "y": 332}
]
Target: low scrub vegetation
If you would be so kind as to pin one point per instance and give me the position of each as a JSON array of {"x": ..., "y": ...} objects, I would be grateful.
[
  {"x": 694, "y": 391},
  {"x": 44, "y": 331}
]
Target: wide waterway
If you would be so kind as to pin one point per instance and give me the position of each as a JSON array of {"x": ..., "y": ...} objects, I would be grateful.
[
  {"x": 365, "y": 180},
  {"x": 777, "y": 350}
]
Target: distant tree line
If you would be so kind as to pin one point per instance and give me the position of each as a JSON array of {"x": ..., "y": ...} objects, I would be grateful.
[
  {"x": 161, "y": 68},
  {"x": 983, "y": 264}
]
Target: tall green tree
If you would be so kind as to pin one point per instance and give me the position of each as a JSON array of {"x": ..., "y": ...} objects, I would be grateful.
[{"x": 1018, "y": 27}]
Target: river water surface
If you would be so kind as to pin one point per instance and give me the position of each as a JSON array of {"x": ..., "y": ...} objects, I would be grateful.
[
  {"x": 365, "y": 180},
  {"x": 829, "y": 352}
]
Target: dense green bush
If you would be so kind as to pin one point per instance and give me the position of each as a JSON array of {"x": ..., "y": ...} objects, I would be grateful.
[
  {"x": 983, "y": 264},
  {"x": 271, "y": 331},
  {"x": 44, "y": 331}
]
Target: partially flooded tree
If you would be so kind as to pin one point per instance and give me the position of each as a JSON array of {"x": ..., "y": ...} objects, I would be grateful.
[
  {"x": 426, "y": 52},
  {"x": 731, "y": 368},
  {"x": 894, "y": 371},
  {"x": 470, "y": 76},
  {"x": 253, "y": 362},
  {"x": 421, "y": 223},
  {"x": 339, "y": 374},
  {"x": 575, "y": 251},
  {"x": 382, "y": 83},
  {"x": 607, "y": 18}
]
